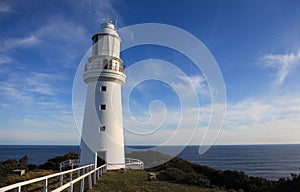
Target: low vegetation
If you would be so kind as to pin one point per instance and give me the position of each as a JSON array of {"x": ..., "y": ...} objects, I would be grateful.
[
  {"x": 150, "y": 158},
  {"x": 181, "y": 171},
  {"x": 53, "y": 164},
  {"x": 8, "y": 177},
  {"x": 137, "y": 181},
  {"x": 174, "y": 175},
  {"x": 180, "y": 175}
]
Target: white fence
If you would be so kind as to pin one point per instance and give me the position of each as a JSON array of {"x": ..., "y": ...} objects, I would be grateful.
[
  {"x": 85, "y": 171},
  {"x": 134, "y": 163},
  {"x": 68, "y": 163}
]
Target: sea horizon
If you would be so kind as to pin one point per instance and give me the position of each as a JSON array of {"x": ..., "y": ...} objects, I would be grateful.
[
  {"x": 132, "y": 145},
  {"x": 271, "y": 161}
]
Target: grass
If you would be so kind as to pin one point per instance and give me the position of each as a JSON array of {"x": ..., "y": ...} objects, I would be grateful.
[
  {"x": 38, "y": 186},
  {"x": 13, "y": 178},
  {"x": 137, "y": 181},
  {"x": 53, "y": 182}
]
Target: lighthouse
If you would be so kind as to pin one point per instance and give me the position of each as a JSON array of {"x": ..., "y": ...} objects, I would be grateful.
[{"x": 102, "y": 139}]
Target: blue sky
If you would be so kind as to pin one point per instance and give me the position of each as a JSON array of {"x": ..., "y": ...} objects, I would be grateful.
[{"x": 255, "y": 43}]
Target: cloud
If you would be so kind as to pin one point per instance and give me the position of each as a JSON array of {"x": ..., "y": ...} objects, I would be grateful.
[
  {"x": 272, "y": 119},
  {"x": 41, "y": 83},
  {"x": 157, "y": 122},
  {"x": 34, "y": 87},
  {"x": 283, "y": 63},
  {"x": 9, "y": 44},
  {"x": 12, "y": 43},
  {"x": 5, "y": 59},
  {"x": 23, "y": 135},
  {"x": 196, "y": 82},
  {"x": 5, "y": 8},
  {"x": 58, "y": 36},
  {"x": 102, "y": 9},
  {"x": 61, "y": 29},
  {"x": 4, "y": 106},
  {"x": 36, "y": 96},
  {"x": 11, "y": 92}
]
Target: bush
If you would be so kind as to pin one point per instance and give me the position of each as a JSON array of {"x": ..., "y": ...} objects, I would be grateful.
[
  {"x": 172, "y": 174},
  {"x": 7, "y": 167},
  {"x": 179, "y": 176},
  {"x": 290, "y": 185},
  {"x": 53, "y": 164},
  {"x": 190, "y": 173}
]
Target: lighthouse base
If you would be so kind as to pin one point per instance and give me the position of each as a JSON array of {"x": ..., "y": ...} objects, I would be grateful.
[{"x": 100, "y": 157}]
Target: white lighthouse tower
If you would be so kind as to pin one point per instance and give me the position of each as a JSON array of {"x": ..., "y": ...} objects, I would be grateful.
[{"x": 102, "y": 131}]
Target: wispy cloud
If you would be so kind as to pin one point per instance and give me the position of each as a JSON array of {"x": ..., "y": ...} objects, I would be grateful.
[
  {"x": 62, "y": 29},
  {"x": 283, "y": 63},
  {"x": 33, "y": 88},
  {"x": 191, "y": 83},
  {"x": 58, "y": 36},
  {"x": 22, "y": 135},
  {"x": 272, "y": 119},
  {"x": 102, "y": 9},
  {"x": 11, "y": 92},
  {"x": 5, "y": 59},
  {"x": 5, "y": 8},
  {"x": 42, "y": 83},
  {"x": 11, "y": 43}
]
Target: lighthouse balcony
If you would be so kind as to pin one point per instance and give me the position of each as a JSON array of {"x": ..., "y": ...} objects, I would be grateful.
[
  {"x": 119, "y": 68},
  {"x": 100, "y": 73}
]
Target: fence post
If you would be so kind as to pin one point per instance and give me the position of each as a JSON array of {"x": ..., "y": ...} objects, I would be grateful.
[
  {"x": 94, "y": 177},
  {"x": 71, "y": 187},
  {"x": 90, "y": 181},
  {"x": 82, "y": 185},
  {"x": 71, "y": 175},
  {"x": 45, "y": 185},
  {"x": 18, "y": 189},
  {"x": 61, "y": 180}
]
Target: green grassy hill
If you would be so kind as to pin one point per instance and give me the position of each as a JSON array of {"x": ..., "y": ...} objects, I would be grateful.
[
  {"x": 137, "y": 181},
  {"x": 173, "y": 175}
]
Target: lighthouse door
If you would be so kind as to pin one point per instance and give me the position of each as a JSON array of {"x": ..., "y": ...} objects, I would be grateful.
[{"x": 101, "y": 158}]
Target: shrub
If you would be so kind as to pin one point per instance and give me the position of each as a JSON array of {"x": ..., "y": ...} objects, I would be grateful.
[
  {"x": 53, "y": 164},
  {"x": 179, "y": 176}
]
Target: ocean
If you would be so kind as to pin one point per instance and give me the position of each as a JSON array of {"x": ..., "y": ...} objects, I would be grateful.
[{"x": 268, "y": 161}]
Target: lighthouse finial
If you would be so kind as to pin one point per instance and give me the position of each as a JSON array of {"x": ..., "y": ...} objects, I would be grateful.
[
  {"x": 116, "y": 22},
  {"x": 107, "y": 19}
]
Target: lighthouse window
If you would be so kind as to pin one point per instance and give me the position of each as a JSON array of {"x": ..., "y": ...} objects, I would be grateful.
[
  {"x": 105, "y": 63},
  {"x": 103, "y": 88},
  {"x": 96, "y": 39},
  {"x": 102, "y": 128},
  {"x": 102, "y": 107}
]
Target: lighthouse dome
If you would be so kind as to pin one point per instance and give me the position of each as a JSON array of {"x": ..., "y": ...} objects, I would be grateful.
[{"x": 108, "y": 28}]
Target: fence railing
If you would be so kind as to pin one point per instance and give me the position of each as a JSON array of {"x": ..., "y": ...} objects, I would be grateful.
[
  {"x": 83, "y": 172},
  {"x": 119, "y": 68},
  {"x": 134, "y": 163},
  {"x": 68, "y": 164}
]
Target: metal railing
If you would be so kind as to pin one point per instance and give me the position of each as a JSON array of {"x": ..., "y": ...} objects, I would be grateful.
[
  {"x": 83, "y": 172},
  {"x": 134, "y": 163},
  {"x": 120, "y": 68},
  {"x": 68, "y": 163}
]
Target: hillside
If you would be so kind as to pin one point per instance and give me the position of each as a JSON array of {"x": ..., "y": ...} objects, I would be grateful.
[{"x": 137, "y": 181}]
